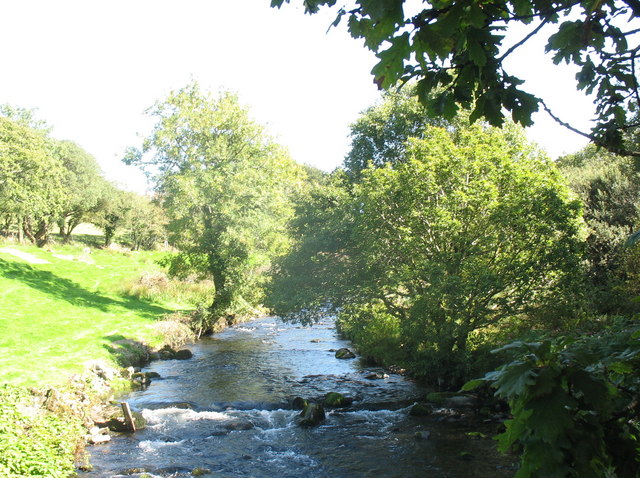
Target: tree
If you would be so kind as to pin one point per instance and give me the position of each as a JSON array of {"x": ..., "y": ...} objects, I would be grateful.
[
  {"x": 471, "y": 228},
  {"x": 225, "y": 186},
  {"x": 31, "y": 191},
  {"x": 607, "y": 185},
  {"x": 146, "y": 223},
  {"x": 83, "y": 184},
  {"x": 458, "y": 48},
  {"x": 112, "y": 211}
]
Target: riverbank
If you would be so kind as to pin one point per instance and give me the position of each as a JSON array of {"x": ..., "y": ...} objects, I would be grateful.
[{"x": 73, "y": 322}]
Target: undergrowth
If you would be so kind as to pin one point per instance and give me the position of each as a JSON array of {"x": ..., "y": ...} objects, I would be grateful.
[
  {"x": 158, "y": 287},
  {"x": 33, "y": 441}
]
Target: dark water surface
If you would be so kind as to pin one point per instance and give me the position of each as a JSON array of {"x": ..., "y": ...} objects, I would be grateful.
[{"x": 227, "y": 411}]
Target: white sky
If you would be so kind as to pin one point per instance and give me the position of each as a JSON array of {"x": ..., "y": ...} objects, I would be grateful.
[{"x": 91, "y": 68}]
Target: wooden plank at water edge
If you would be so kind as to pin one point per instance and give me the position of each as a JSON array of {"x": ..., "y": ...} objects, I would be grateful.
[{"x": 128, "y": 418}]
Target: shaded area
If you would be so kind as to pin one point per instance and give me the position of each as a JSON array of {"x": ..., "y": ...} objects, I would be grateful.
[{"x": 64, "y": 289}]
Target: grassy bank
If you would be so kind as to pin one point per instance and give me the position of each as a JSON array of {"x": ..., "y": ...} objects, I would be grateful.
[
  {"x": 62, "y": 308},
  {"x": 56, "y": 316}
]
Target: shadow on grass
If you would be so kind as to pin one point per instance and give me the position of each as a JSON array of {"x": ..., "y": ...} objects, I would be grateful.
[
  {"x": 73, "y": 293},
  {"x": 127, "y": 352},
  {"x": 89, "y": 240}
]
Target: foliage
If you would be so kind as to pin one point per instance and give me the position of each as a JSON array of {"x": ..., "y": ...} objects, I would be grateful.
[
  {"x": 607, "y": 184},
  {"x": 43, "y": 181},
  {"x": 316, "y": 274},
  {"x": 574, "y": 405},
  {"x": 146, "y": 223},
  {"x": 472, "y": 227},
  {"x": 82, "y": 182},
  {"x": 31, "y": 192},
  {"x": 376, "y": 333},
  {"x": 379, "y": 136},
  {"x": 158, "y": 287},
  {"x": 225, "y": 186},
  {"x": 458, "y": 48},
  {"x": 34, "y": 442},
  {"x": 112, "y": 212}
]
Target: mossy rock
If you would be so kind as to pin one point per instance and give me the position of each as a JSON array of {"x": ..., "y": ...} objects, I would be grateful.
[
  {"x": 420, "y": 410},
  {"x": 299, "y": 403},
  {"x": 166, "y": 353},
  {"x": 344, "y": 353},
  {"x": 183, "y": 354},
  {"x": 200, "y": 471},
  {"x": 439, "y": 398},
  {"x": 335, "y": 399},
  {"x": 312, "y": 415}
]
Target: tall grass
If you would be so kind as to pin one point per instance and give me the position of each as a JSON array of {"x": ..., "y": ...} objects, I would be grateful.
[{"x": 157, "y": 286}]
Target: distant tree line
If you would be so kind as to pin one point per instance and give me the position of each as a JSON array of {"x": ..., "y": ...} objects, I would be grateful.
[{"x": 47, "y": 183}]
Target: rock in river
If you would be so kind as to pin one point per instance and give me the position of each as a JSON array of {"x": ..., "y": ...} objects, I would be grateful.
[
  {"x": 345, "y": 353},
  {"x": 312, "y": 415},
  {"x": 335, "y": 399}
]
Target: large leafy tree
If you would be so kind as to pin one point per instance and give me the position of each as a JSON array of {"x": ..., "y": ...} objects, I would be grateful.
[
  {"x": 458, "y": 48},
  {"x": 31, "y": 186},
  {"x": 473, "y": 226},
  {"x": 469, "y": 230},
  {"x": 225, "y": 185},
  {"x": 83, "y": 184}
]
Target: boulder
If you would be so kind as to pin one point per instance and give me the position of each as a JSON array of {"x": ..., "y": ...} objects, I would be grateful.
[
  {"x": 420, "y": 410},
  {"x": 376, "y": 376},
  {"x": 298, "y": 403},
  {"x": 312, "y": 415},
  {"x": 422, "y": 435},
  {"x": 166, "y": 353},
  {"x": 345, "y": 353},
  {"x": 335, "y": 399},
  {"x": 183, "y": 354}
]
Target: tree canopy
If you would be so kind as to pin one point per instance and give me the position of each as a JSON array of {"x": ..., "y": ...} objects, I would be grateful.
[
  {"x": 225, "y": 185},
  {"x": 465, "y": 228},
  {"x": 457, "y": 49}
]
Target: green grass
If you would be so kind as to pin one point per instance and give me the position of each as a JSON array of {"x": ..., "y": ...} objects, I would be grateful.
[{"x": 55, "y": 317}]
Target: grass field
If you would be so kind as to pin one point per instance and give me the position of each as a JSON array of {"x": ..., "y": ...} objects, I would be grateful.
[{"x": 56, "y": 316}]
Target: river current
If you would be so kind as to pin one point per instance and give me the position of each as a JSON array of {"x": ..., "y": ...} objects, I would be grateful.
[{"x": 226, "y": 413}]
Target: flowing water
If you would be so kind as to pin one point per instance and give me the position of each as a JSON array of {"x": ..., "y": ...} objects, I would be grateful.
[{"x": 226, "y": 413}]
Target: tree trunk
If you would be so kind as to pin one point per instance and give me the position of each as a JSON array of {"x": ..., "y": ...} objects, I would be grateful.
[
  {"x": 42, "y": 234},
  {"x": 26, "y": 228}
]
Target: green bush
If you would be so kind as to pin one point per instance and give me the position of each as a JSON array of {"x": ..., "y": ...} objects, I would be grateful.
[
  {"x": 574, "y": 405},
  {"x": 375, "y": 332},
  {"x": 34, "y": 442}
]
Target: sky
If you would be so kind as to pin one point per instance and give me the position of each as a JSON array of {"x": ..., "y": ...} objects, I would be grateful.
[{"x": 92, "y": 67}]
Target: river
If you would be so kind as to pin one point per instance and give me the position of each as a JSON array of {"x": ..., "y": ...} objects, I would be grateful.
[{"x": 226, "y": 413}]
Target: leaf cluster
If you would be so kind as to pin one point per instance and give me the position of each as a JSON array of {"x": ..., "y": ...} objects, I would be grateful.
[
  {"x": 574, "y": 404},
  {"x": 457, "y": 50}
]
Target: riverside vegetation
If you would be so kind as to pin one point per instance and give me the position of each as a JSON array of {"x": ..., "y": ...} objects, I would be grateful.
[{"x": 454, "y": 250}]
